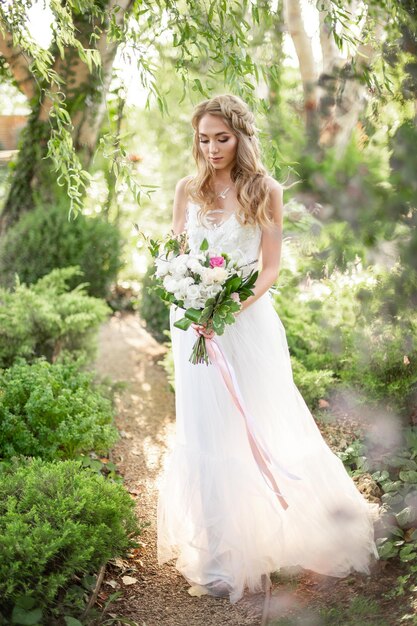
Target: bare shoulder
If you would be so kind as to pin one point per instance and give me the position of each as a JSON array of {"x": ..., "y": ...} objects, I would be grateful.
[
  {"x": 180, "y": 203},
  {"x": 181, "y": 184},
  {"x": 274, "y": 186},
  {"x": 276, "y": 207}
]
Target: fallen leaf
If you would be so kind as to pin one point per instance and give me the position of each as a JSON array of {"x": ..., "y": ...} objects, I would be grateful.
[
  {"x": 129, "y": 580},
  {"x": 197, "y": 591},
  {"x": 112, "y": 583},
  {"x": 125, "y": 435}
]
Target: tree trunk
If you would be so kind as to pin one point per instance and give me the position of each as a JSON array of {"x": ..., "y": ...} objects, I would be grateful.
[
  {"x": 308, "y": 66},
  {"x": 85, "y": 94},
  {"x": 344, "y": 95}
]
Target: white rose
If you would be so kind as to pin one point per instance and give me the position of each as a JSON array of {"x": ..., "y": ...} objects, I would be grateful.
[
  {"x": 207, "y": 276},
  {"x": 170, "y": 284},
  {"x": 179, "y": 265},
  {"x": 219, "y": 274},
  {"x": 214, "y": 290},
  {"x": 186, "y": 282},
  {"x": 183, "y": 285},
  {"x": 193, "y": 304},
  {"x": 179, "y": 270},
  {"x": 195, "y": 266},
  {"x": 162, "y": 268},
  {"x": 193, "y": 292}
]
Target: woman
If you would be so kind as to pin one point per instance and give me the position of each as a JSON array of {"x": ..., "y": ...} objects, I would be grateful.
[{"x": 226, "y": 520}]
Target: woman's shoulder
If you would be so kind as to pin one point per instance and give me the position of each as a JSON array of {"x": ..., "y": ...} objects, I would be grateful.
[
  {"x": 182, "y": 183},
  {"x": 181, "y": 200},
  {"x": 272, "y": 184}
]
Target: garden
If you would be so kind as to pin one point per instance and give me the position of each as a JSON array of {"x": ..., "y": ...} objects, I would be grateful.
[{"x": 96, "y": 98}]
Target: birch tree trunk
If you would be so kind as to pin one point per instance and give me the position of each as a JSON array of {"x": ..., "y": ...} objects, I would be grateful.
[
  {"x": 308, "y": 67},
  {"x": 344, "y": 96}
]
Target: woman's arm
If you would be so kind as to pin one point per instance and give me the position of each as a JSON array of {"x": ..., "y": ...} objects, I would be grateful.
[
  {"x": 270, "y": 246},
  {"x": 180, "y": 204}
]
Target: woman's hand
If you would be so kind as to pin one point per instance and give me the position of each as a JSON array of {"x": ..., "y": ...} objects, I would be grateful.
[{"x": 202, "y": 330}]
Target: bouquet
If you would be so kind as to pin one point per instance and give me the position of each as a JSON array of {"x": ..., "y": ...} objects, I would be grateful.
[{"x": 210, "y": 286}]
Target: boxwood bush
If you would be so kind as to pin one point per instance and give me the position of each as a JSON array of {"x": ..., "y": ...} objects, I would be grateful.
[
  {"x": 152, "y": 309},
  {"x": 89, "y": 242},
  {"x": 52, "y": 411},
  {"x": 57, "y": 522},
  {"x": 45, "y": 318}
]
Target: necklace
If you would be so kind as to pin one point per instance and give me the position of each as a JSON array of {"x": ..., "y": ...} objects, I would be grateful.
[{"x": 223, "y": 193}]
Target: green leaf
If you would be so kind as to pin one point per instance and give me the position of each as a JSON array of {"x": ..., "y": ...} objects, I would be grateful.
[
  {"x": 183, "y": 323},
  {"x": 408, "y": 554},
  {"x": 26, "y": 618},
  {"x": 25, "y": 602},
  {"x": 218, "y": 325},
  {"x": 71, "y": 621},
  {"x": 204, "y": 245},
  {"x": 406, "y": 516},
  {"x": 387, "y": 550},
  {"x": 234, "y": 307},
  {"x": 392, "y": 499},
  {"x": 233, "y": 284},
  {"x": 392, "y": 485},
  {"x": 206, "y": 314},
  {"x": 193, "y": 314},
  {"x": 408, "y": 476},
  {"x": 221, "y": 311}
]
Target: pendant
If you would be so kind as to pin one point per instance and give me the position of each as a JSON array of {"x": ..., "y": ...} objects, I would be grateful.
[{"x": 223, "y": 193}]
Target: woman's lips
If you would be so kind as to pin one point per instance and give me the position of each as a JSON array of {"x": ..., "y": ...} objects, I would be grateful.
[{"x": 216, "y": 158}]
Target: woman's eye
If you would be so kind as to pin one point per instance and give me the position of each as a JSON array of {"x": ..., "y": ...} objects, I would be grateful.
[{"x": 221, "y": 140}]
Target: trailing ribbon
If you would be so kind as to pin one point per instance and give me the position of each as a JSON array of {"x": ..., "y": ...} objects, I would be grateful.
[{"x": 261, "y": 456}]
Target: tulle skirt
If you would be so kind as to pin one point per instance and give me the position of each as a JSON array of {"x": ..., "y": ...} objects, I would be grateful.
[{"x": 217, "y": 516}]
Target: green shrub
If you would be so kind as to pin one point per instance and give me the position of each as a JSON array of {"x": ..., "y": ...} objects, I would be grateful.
[
  {"x": 152, "y": 309},
  {"x": 395, "y": 472},
  {"x": 383, "y": 362},
  {"x": 45, "y": 239},
  {"x": 345, "y": 324},
  {"x": 57, "y": 522},
  {"x": 52, "y": 411},
  {"x": 45, "y": 318},
  {"x": 312, "y": 384}
]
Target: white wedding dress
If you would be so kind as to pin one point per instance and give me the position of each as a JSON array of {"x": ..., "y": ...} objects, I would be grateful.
[{"x": 217, "y": 516}]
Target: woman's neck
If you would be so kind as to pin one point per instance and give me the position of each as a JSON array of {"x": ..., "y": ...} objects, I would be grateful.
[{"x": 223, "y": 180}]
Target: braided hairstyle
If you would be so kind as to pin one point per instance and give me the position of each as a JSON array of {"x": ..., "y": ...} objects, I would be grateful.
[{"x": 248, "y": 174}]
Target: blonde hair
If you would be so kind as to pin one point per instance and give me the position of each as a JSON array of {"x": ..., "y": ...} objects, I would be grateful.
[{"x": 248, "y": 174}]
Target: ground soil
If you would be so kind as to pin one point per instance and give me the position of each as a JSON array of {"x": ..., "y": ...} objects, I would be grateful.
[{"x": 153, "y": 595}]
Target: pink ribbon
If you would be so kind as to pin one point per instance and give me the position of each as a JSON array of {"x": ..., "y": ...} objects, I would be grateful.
[{"x": 262, "y": 457}]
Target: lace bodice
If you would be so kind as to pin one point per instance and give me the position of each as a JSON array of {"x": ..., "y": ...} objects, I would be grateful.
[{"x": 242, "y": 241}]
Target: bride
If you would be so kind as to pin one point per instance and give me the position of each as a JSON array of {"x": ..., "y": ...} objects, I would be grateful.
[{"x": 236, "y": 503}]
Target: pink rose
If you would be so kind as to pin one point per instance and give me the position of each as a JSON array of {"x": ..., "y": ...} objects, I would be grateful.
[
  {"x": 216, "y": 261},
  {"x": 235, "y": 297}
]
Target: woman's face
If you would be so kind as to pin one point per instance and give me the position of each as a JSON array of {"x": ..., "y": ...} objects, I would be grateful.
[{"x": 217, "y": 142}]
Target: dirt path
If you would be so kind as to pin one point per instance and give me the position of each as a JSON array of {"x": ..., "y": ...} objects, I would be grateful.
[
  {"x": 158, "y": 596},
  {"x": 146, "y": 418}
]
